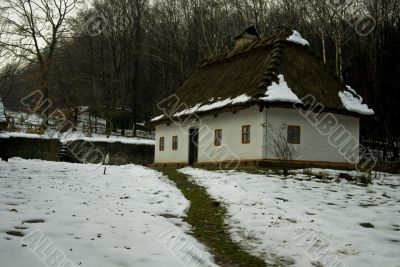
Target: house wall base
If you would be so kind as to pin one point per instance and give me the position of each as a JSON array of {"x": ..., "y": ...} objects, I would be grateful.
[
  {"x": 302, "y": 164},
  {"x": 168, "y": 165},
  {"x": 263, "y": 163}
]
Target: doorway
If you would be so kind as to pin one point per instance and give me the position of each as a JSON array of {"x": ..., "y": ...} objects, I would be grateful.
[{"x": 193, "y": 145}]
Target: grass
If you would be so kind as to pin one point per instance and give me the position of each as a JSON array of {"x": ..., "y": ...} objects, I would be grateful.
[
  {"x": 207, "y": 217},
  {"x": 33, "y": 221},
  {"x": 15, "y": 233},
  {"x": 367, "y": 225}
]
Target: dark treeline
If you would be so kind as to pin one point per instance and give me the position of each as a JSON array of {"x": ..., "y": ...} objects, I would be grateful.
[{"x": 133, "y": 53}]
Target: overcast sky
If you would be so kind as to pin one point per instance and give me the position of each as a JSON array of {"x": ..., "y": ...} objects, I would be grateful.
[{"x": 5, "y": 57}]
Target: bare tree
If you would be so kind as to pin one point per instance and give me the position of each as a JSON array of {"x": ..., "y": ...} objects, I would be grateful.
[
  {"x": 32, "y": 32},
  {"x": 9, "y": 68},
  {"x": 8, "y": 74},
  {"x": 135, "y": 12},
  {"x": 278, "y": 145}
]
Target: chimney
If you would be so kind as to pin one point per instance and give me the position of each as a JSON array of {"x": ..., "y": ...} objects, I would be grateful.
[{"x": 248, "y": 36}]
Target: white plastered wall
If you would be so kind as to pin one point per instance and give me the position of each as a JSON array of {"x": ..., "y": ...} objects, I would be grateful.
[
  {"x": 315, "y": 144},
  {"x": 231, "y": 125},
  {"x": 327, "y": 137}
]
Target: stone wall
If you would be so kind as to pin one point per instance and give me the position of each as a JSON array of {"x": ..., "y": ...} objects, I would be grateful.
[
  {"x": 51, "y": 149},
  {"x": 119, "y": 153},
  {"x": 29, "y": 148}
]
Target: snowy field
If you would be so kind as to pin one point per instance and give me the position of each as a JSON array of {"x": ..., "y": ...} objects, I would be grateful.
[
  {"x": 130, "y": 217},
  {"x": 309, "y": 222}
]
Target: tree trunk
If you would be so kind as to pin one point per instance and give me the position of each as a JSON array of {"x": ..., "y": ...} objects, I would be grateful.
[
  {"x": 134, "y": 94},
  {"x": 45, "y": 91},
  {"x": 323, "y": 45},
  {"x": 340, "y": 63},
  {"x": 338, "y": 56}
]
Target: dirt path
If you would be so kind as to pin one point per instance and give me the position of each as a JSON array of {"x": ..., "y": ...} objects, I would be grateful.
[{"x": 206, "y": 216}]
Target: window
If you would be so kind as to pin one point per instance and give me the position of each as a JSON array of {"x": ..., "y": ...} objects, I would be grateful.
[
  {"x": 245, "y": 134},
  {"x": 161, "y": 144},
  {"x": 175, "y": 142},
  {"x": 218, "y": 137},
  {"x": 293, "y": 134}
]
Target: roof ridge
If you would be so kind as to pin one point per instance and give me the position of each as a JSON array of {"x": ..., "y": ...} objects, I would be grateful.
[
  {"x": 266, "y": 41},
  {"x": 272, "y": 69}
]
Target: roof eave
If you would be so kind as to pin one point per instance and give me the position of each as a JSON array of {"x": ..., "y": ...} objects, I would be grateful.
[{"x": 262, "y": 104}]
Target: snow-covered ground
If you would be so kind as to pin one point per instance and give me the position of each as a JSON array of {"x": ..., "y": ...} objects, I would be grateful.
[
  {"x": 310, "y": 221},
  {"x": 132, "y": 216},
  {"x": 27, "y": 123},
  {"x": 23, "y": 119}
]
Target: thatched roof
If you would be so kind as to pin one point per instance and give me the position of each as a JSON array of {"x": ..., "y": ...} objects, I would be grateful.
[{"x": 250, "y": 69}]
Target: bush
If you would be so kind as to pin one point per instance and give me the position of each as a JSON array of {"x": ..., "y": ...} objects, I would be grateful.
[{"x": 364, "y": 178}]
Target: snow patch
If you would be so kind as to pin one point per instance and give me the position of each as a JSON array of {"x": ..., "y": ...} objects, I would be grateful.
[
  {"x": 115, "y": 139},
  {"x": 23, "y": 135},
  {"x": 298, "y": 39},
  {"x": 353, "y": 102},
  {"x": 2, "y": 113},
  {"x": 72, "y": 136},
  {"x": 20, "y": 117},
  {"x": 280, "y": 92}
]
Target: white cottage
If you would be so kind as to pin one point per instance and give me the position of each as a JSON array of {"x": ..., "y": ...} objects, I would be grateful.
[{"x": 266, "y": 101}]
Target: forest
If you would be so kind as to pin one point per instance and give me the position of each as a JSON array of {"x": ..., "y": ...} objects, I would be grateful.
[{"x": 130, "y": 54}]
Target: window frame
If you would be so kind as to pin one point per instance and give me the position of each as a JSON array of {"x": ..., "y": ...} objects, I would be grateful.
[
  {"x": 217, "y": 139},
  {"x": 290, "y": 136},
  {"x": 161, "y": 143},
  {"x": 175, "y": 142},
  {"x": 248, "y": 135}
]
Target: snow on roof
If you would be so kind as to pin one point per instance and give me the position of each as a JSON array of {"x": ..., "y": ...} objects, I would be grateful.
[
  {"x": 353, "y": 102},
  {"x": 275, "y": 92},
  {"x": 280, "y": 92},
  {"x": 201, "y": 108},
  {"x": 2, "y": 116},
  {"x": 296, "y": 38},
  {"x": 218, "y": 104},
  {"x": 157, "y": 118}
]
